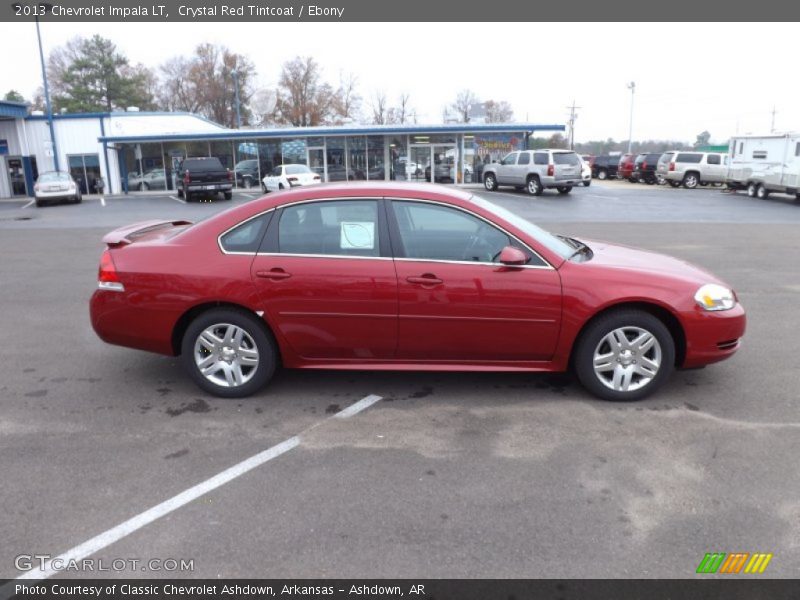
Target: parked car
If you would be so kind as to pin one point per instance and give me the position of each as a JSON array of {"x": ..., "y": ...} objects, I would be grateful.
[
  {"x": 398, "y": 277},
  {"x": 284, "y": 177},
  {"x": 691, "y": 169},
  {"x": 764, "y": 164},
  {"x": 154, "y": 179},
  {"x": 605, "y": 166},
  {"x": 644, "y": 168},
  {"x": 626, "y": 166},
  {"x": 586, "y": 172},
  {"x": 56, "y": 186},
  {"x": 662, "y": 167},
  {"x": 246, "y": 173},
  {"x": 204, "y": 175},
  {"x": 535, "y": 171}
]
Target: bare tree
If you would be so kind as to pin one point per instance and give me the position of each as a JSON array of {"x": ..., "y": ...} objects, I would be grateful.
[
  {"x": 498, "y": 112},
  {"x": 347, "y": 101},
  {"x": 380, "y": 109},
  {"x": 403, "y": 108},
  {"x": 178, "y": 90},
  {"x": 303, "y": 99},
  {"x": 465, "y": 100}
]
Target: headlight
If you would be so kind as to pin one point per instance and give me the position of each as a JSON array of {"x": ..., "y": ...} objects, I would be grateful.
[{"x": 715, "y": 297}]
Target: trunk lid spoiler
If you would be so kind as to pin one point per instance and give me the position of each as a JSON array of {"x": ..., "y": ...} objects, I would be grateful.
[{"x": 128, "y": 234}]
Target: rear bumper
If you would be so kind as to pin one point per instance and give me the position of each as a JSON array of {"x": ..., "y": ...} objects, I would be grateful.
[
  {"x": 551, "y": 182},
  {"x": 209, "y": 187},
  {"x": 114, "y": 316},
  {"x": 713, "y": 336}
]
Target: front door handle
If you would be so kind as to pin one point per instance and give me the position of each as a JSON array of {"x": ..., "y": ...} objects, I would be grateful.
[
  {"x": 273, "y": 274},
  {"x": 425, "y": 279}
]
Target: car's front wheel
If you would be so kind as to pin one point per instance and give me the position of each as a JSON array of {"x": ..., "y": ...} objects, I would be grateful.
[
  {"x": 228, "y": 353},
  {"x": 490, "y": 182},
  {"x": 691, "y": 181},
  {"x": 624, "y": 355}
]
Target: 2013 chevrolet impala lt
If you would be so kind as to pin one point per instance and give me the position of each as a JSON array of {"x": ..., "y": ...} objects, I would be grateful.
[{"x": 404, "y": 277}]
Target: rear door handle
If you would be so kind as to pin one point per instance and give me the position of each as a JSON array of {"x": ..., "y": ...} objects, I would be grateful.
[
  {"x": 273, "y": 274},
  {"x": 425, "y": 279}
]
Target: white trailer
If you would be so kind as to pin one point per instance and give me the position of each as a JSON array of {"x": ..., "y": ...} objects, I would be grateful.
[{"x": 762, "y": 164}]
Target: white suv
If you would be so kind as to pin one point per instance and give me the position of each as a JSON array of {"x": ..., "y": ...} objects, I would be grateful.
[
  {"x": 535, "y": 171},
  {"x": 691, "y": 169}
]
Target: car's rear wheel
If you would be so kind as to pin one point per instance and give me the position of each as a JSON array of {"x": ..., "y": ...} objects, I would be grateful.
[
  {"x": 602, "y": 174},
  {"x": 180, "y": 193},
  {"x": 762, "y": 192},
  {"x": 564, "y": 189},
  {"x": 187, "y": 196},
  {"x": 228, "y": 353},
  {"x": 633, "y": 180},
  {"x": 691, "y": 181},
  {"x": 674, "y": 184},
  {"x": 490, "y": 182},
  {"x": 752, "y": 188},
  {"x": 660, "y": 180},
  {"x": 228, "y": 195},
  {"x": 624, "y": 355},
  {"x": 533, "y": 186}
]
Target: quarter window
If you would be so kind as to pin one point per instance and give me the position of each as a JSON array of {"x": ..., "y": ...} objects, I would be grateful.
[
  {"x": 540, "y": 158},
  {"x": 247, "y": 236},
  {"x": 433, "y": 232},
  {"x": 713, "y": 159},
  {"x": 335, "y": 228}
]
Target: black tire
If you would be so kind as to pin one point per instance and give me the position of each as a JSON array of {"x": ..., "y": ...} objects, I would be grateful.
[
  {"x": 228, "y": 195},
  {"x": 533, "y": 186},
  {"x": 602, "y": 174},
  {"x": 180, "y": 193},
  {"x": 675, "y": 184},
  {"x": 762, "y": 192},
  {"x": 77, "y": 199},
  {"x": 691, "y": 180},
  {"x": 633, "y": 180},
  {"x": 254, "y": 328},
  {"x": 490, "y": 182},
  {"x": 39, "y": 203},
  {"x": 587, "y": 183},
  {"x": 752, "y": 189},
  {"x": 650, "y": 181},
  {"x": 280, "y": 186},
  {"x": 187, "y": 195},
  {"x": 797, "y": 196},
  {"x": 564, "y": 189},
  {"x": 592, "y": 337}
]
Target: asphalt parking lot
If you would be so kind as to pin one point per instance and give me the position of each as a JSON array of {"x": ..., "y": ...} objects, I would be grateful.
[{"x": 447, "y": 475}]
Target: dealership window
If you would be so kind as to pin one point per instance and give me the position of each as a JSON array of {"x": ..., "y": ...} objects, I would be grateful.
[
  {"x": 85, "y": 170},
  {"x": 398, "y": 158},
  {"x": 269, "y": 155},
  {"x": 332, "y": 228},
  {"x": 294, "y": 151},
  {"x": 376, "y": 169},
  {"x": 174, "y": 153},
  {"x": 336, "y": 159},
  {"x": 245, "y": 169},
  {"x": 357, "y": 157},
  {"x": 434, "y": 232}
]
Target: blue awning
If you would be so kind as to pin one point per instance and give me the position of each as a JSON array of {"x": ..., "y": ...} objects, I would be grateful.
[{"x": 13, "y": 110}]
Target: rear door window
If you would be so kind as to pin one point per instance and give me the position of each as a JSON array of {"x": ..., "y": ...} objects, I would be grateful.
[
  {"x": 332, "y": 228},
  {"x": 524, "y": 158}
]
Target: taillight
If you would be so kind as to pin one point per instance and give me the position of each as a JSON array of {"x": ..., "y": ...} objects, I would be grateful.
[
  {"x": 292, "y": 180},
  {"x": 107, "y": 277},
  {"x": 672, "y": 166},
  {"x": 317, "y": 178},
  {"x": 644, "y": 166},
  {"x": 186, "y": 177},
  {"x": 230, "y": 175},
  {"x": 551, "y": 170}
]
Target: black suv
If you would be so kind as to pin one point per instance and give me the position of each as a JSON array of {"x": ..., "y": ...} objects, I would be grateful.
[
  {"x": 605, "y": 166},
  {"x": 644, "y": 169}
]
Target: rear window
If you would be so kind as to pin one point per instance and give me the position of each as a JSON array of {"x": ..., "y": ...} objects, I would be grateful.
[
  {"x": 202, "y": 164},
  {"x": 55, "y": 176},
  {"x": 689, "y": 157},
  {"x": 653, "y": 157},
  {"x": 566, "y": 158},
  {"x": 666, "y": 157},
  {"x": 296, "y": 169}
]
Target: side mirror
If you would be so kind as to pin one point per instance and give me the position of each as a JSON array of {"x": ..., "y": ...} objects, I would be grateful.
[{"x": 512, "y": 256}]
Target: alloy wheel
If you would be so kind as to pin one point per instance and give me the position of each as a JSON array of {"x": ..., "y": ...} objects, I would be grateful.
[
  {"x": 226, "y": 355},
  {"x": 627, "y": 359}
]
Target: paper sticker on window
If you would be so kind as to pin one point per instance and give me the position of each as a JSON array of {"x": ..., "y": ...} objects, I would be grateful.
[{"x": 357, "y": 235}]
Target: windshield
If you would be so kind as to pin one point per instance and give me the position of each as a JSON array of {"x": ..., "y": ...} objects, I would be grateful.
[{"x": 547, "y": 239}]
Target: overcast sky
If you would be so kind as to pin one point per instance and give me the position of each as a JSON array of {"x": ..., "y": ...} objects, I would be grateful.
[{"x": 722, "y": 78}]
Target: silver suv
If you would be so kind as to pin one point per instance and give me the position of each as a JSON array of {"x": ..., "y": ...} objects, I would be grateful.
[
  {"x": 535, "y": 171},
  {"x": 691, "y": 169}
]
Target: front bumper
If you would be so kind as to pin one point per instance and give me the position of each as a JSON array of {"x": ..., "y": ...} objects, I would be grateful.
[{"x": 713, "y": 336}]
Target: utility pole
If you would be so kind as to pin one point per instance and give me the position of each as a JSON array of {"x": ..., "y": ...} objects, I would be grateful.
[
  {"x": 772, "y": 127},
  {"x": 47, "y": 93},
  {"x": 572, "y": 117},
  {"x": 236, "y": 89},
  {"x": 632, "y": 88}
]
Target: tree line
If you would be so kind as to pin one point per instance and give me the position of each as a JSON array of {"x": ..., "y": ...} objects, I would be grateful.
[{"x": 93, "y": 75}]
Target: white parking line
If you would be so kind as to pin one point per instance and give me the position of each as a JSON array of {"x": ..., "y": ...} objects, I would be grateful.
[
  {"x": 30, "y": 203},
  {"x": 133, "y": 524},
  {"x": 102, "y": 200},
  {"x": 181, "y": 200}
]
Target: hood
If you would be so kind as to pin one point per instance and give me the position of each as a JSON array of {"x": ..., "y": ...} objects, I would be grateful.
[{"x": 615, "y": 256}]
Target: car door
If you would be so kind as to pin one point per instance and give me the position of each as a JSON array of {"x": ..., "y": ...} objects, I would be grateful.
[
  {"x": 505, "y": 170},
  {"x": 714, "y": 171},
  {"x": 456, "y": 303},
  {"x": 522, "y": 168},
  {"x": 327, "y": 280}
]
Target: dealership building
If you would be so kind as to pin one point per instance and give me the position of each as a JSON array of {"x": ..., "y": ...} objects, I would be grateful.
[{"x": 135, "y": 151}]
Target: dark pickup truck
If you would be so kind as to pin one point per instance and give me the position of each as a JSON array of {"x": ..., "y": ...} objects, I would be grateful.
[{"x": 204, "y": 175}]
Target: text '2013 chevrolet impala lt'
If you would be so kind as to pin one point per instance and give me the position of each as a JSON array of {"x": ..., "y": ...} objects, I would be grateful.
[{"x": 404, "y": 277}]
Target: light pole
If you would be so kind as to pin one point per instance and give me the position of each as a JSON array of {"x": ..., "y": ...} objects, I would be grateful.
[
  {"x": 632, "y": 88},
  {"x": 236, "y": 90},
  {"x": 47, "y": 93}
]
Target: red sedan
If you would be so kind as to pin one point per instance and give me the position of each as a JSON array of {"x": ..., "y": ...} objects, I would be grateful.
[{"x": 404, "y": 277}]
